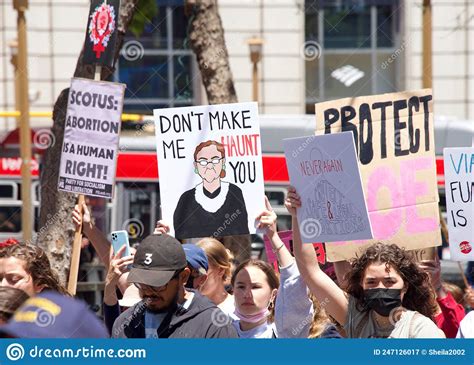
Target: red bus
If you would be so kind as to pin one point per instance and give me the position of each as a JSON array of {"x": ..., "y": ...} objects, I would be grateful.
[{"x": 136, "y": 205}]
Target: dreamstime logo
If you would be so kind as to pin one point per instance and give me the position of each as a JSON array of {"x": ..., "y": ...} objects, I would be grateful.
[
  {"x": 44, "y": 318},
  {"x": 395, "y": 315},
  {"x": 398, "y": 140},
  {"x": 311, "y": 50},
  {"x": 393, "y": 56},
  {"x": 311, "y": 228},
  {"x": 43, "y": 139},
  {"x": 15, "y": 352},
  {"x": 133, "y": 50},
  {"x": 347, "y": 75},
  {"x": 134, "y": 227},
  {"x": 219, "y": 318},
  {"x": 229, "y": 218},
  {"x": 303, "y": 146}
]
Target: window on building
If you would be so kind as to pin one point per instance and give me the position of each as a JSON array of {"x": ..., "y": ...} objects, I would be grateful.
[
  {"x": 354, "y": 48},
  {"x": 158, "y": 67}
]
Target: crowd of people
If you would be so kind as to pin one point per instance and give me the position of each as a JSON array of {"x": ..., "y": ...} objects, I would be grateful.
[{"x": 166, "y": 289}]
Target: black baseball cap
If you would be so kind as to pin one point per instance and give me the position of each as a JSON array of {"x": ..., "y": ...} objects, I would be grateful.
[{"x": 157, "y": 259}]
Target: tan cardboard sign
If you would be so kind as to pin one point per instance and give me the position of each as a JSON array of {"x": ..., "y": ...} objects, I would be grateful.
[{"x": 394, "y": 138}]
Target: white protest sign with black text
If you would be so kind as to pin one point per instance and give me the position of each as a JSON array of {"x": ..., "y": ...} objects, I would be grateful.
[
  {"x": 91, "y": 137},
  {"x": 324, "y": 170},
  {"x": 459, "y": 183},
  {"x": 210, "y": 167}
]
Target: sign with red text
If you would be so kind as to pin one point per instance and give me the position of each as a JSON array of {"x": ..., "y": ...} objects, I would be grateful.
[
  {"x": 459, "y": 182},
  {"x": 324, "y": 171},
  {"x": 394, "y": 139},
  {"x": 211, "y": 175}
]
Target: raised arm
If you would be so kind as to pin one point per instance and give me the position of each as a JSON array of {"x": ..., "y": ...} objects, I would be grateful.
[
  {"x": 98, "y": 239},
  {"x": 320, "y": 285},
  {"x": 267, "y": 221}
]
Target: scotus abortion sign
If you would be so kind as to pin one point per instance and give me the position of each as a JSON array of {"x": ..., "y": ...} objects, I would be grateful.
[
  {"x": 91, "y": 137},
  {"x": 210, "y": 165},
  {"x": 459, "y": 175},
  {"x": 394, "y": 138}
]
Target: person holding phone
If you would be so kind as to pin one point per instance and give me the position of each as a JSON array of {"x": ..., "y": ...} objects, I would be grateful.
[
  {"x": 119, "y": 265},
  {"x": 167, "y": 309}
]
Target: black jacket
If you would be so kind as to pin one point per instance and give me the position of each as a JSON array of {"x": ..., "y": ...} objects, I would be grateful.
[
  {"x": 191, "y": 220},
  {"x": 201, "y": 320}
]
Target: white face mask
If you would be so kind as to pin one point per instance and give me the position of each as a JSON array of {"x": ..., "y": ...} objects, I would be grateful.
[{"x": 253, "y": 318}]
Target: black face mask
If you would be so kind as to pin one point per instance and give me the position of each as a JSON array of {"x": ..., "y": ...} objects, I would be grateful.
[{"x": 382, "y": 300}]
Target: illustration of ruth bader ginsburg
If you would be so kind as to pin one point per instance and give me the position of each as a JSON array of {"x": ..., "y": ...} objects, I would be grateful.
[{"x": 213, "y": 207}]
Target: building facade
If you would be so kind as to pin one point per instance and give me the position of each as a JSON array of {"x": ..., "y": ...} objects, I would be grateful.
[{"x": 313, "y": 50}]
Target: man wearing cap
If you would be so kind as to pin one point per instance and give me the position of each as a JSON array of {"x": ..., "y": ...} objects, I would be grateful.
[{"x": 160, "y": 272}]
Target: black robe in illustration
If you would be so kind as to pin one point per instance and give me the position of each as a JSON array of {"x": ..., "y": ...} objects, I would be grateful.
[{"x": 202, "y": 214}]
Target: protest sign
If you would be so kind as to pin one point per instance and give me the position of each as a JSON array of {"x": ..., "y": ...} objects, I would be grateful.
[
  {"x": 459, "y": 183},
  {"x": 394, "y": 138},
  {"x": 101, "y": 34},
  {"x": 324, "y": 170},
  {"x": 287, "y": 238},
  {"x": 91, "y": 137},
  {"x": 211, "y": 176}
]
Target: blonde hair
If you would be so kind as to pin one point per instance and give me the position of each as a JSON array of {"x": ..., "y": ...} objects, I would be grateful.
[
  {"x": 320, "y": 319},
  {"x": 217, "y": 255}
]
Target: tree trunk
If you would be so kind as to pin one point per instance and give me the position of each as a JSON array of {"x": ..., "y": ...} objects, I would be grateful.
[
  {"x": 56, "y": 234},
  {"x": 206, "y": 38}
]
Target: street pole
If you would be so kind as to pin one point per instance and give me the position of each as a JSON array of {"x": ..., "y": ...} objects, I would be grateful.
[
  {"x": 255, "y": 47},
  {"x": 255, "y": 82},
  {"x": 427, "y": 46},
  {"x": 24, "y": 120}
]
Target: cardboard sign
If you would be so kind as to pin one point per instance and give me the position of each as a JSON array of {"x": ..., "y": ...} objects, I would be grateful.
[
  {"x": 101, "y": 34},
  {"x": 324, "y": 170},
  {"x": 459, "y": 182},
  {"x": 211, "y": 175},
  {"x": 287, "y": 238},
  {"x": 394, "y": 138},
  {"x": 91, "y": 137}
]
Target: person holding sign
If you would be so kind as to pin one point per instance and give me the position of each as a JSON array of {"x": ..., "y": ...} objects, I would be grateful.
[
  {"x": 213, "y": 206},
  {"x": 268, "y": 306},
  {"x": 387, "y": 294}
]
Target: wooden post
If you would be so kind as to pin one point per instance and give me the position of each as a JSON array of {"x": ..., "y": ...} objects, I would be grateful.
[
  {"x": 76, "y": 248},
  {"x": 427, "y": 71},
  {"x": 24, "y": 122}
]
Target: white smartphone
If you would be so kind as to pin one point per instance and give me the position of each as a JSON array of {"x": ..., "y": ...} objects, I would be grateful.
[{"x": 120, "y": 238}]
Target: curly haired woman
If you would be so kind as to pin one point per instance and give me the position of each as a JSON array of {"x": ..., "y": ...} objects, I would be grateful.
[
  {"x": 27, "y": 267},
  {"x": 387, "y": 294}
]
